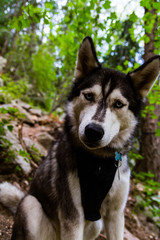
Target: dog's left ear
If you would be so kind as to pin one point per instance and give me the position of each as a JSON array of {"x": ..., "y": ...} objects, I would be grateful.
[
  {"x": 86, "y": 59},
  {"x": 144, "y": 77}
]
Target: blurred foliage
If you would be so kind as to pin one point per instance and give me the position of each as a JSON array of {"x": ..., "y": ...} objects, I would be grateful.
[
  {"x": 123, "y": 54},
  {"x": 40, "y": 40},
  {"x": 147, "y": 196},
  {"x": 154, "y": 98},
  {"x": 18, "y": 89},
  {"x": 6, "y": 152}
]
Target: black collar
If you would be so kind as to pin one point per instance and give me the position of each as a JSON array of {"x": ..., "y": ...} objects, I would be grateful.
[{"x": 96, "y": 177}]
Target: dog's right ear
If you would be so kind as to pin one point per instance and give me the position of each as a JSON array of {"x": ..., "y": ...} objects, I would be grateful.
[{"x": 86, "y": 59}]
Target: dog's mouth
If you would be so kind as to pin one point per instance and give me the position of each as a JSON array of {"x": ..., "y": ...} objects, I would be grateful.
[{"x": 91, "y": 145}]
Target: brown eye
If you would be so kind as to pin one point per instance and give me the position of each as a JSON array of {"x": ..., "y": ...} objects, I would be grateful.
[
  {"x": 118, "y": 104},
  {"x": 89, "y": 96}
]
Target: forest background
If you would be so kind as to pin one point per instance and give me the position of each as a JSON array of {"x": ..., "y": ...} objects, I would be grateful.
[{"x": 40, "y": 39}]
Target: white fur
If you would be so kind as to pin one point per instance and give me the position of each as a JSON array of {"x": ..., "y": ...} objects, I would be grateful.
[
  {"x": 118, "y": 124},
  {"x": 107, "y": 87},
  {"x": 114, "y": 204},
  {"x": 92, "y": 229},
  {"x": 37, "y": 223},
  {"x": 85, "y": 118},
  {"x": 125, "y": 117},
  {"x": 10, "y": 196},
  {"x": 79, "y": 107},
  {"x": 111, "y": 125},
  {"x": 116, "y": 95},
  {"x": 74, "y": 186},
  {"x": 96, "y": 90}
]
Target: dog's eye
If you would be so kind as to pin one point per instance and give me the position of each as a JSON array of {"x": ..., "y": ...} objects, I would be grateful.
[
  {"x": 118, "y": 104},
  {"x": 89, "y": 96}
]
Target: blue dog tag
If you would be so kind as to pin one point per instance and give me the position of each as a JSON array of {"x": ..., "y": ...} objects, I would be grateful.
[{"x": 118, "y": 156}]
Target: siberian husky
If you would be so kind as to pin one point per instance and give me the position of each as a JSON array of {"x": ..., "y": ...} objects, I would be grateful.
[{"x": 83, "y": 184}]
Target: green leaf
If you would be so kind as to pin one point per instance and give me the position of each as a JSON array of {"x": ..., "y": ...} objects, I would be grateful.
[
  {"x": 46, "y": 21},
  {"x": 133, "y": 17},
  {"x": 107, "y": 4},
  {"x": 10, "y": 128},
  {"x": 18, "y": 168}
]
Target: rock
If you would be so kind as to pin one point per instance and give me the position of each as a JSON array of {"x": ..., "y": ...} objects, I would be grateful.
[
  {"x": 16, "y": 147},
  {"x": 35, "y": 147},
  {"x": 6, "y": 106},
  {"x": 37, "y": 112},
  {"x": 45, "y": 139},
  {"x": 129, "y": 236},
  {"x": 3, "y": 62},
  {"x": 140, "y": 187},
  {"x": 28, "y": 118},
  {"x": 24, "y": 105}
]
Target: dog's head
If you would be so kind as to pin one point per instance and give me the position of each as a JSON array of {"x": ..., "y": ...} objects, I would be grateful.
[{"x": 104, "y": 104}]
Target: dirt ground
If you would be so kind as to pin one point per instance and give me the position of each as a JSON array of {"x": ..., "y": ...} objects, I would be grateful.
[
  {"x": 6, "y": 217},
  {"x": 6, "y": 222}
]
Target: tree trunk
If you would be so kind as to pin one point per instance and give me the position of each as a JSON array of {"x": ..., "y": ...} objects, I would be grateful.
[
  {"x": 17, "y": 13},
  {"x": 9, "y": 60},
  {"x": 5, "y": 45},
  {"x": 149, "y": 143}
]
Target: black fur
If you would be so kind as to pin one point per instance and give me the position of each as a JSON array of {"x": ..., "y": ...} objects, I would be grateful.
[{"x": 96, "y": 177}]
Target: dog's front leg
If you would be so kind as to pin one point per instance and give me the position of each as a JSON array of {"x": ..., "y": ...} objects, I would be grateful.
[
  {"x": 71, "y": 216},
  {"x": 114, "y": 205},
  {"x": 71, "y": 231},
  {"x": 114, "y": 225}
]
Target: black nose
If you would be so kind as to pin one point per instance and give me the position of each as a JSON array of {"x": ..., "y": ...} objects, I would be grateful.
[{"x": 94, "y": 132}]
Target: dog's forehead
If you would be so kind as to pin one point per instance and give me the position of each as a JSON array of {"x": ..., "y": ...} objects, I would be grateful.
[
  {"x": 105, "y": 81},
  {"x": 96, "y": 89},
  {"x": 107, "y": 77},
  {"x": 111, "y": 79}
]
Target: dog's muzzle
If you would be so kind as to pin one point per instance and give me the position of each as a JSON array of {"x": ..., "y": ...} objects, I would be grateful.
[{"x": 93, "y": 133}]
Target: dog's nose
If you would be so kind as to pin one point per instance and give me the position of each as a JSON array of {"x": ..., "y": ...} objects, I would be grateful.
[{"x": 94, "y": 132}]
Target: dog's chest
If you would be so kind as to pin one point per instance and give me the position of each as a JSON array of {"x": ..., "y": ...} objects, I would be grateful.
[{"x": 96, "y": 177}]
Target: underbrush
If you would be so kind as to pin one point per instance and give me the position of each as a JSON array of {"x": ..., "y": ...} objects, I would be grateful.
[{"x": 147, "y": 194}]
